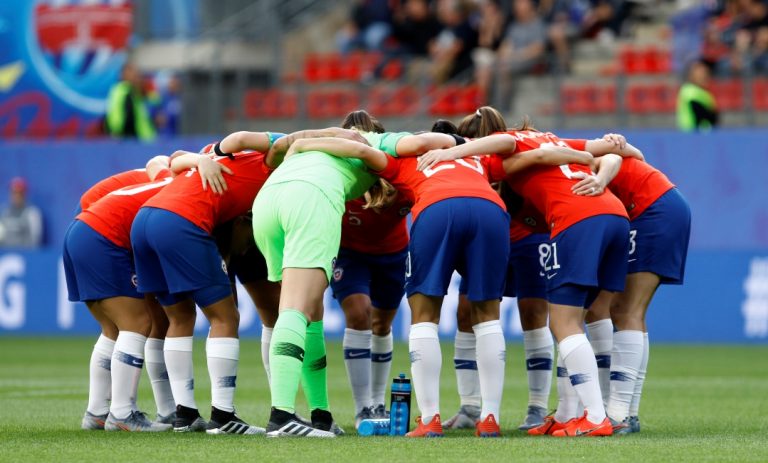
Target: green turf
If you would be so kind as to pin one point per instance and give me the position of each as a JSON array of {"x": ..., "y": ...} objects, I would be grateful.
[{"x": 701, "y": 403}]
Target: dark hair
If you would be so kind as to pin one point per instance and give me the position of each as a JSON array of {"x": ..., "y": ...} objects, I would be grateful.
[
  {"x": 444, "y": 126},
  {"x": 487, "y": 120},
  {"x": 363, "y": 121}
]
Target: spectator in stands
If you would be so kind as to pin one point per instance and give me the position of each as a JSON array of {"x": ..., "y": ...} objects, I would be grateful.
[
  {"x": 451, "y": 51},
  {"x": 491, "y": 27},
  {"x": 369, "y": 25},
  {"x": 168, "y": 109},
  {"x": 21, "y": 224},
  {"x": 127, "y": 112},
  {"x": 523, "y": 47},
  {"x": 760, "y": 51},
  {"x": 561, "y": 31},
  {"x": 696, "y": 108},
  {"x": 604, "y": 19}
]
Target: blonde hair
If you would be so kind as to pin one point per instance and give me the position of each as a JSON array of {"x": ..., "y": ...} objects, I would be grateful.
[{"x": 380, "y": 195}]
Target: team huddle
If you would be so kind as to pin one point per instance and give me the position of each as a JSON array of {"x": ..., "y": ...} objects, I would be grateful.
[{"x": 564, "y": 225}]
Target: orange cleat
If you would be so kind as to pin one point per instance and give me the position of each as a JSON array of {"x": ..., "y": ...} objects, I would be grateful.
[
  {"x": 583, "y": 427},
  {"x": 549, "y": 426},
  {"x": 488, "y": 427},
  {"x": 433, "y": 429}
]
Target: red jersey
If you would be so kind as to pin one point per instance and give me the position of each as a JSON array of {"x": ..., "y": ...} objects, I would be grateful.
[
  {"x": 185, "y": 195},
  {"x": 462, "y": 178},
  {"x": 110, "y": 184},
  {"x": 638, "y": 184},
  {"x": 375, "y": 232},
  {"x": 548, "y": 188},
  {"x": 112, "y": 215}
]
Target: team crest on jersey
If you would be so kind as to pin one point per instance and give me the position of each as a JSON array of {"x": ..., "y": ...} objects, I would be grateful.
[
  {"x": 338, "y": 274},
  {"x": 530, "y": 221},
  {"x": 135, "y": 281},
  {"x": 404, "y": 211},
  {"x": 355, "y": 221}
]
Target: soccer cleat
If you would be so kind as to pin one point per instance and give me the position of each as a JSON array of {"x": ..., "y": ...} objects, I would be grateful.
[
  {"x": 284, "y": 424},
  {"x": 465, "y": 418},
  {"x": 533, "y": 418},
  {"x": 549, "y": 426},
  {"x": 166, "y": 419},
  {"x": 323, "y": 420},
  {"x": 136, "y": 421},
  {"x": 488, "y": 427},
  {"x": 433, "y": 429},
  {"x": 365, "y": 414},
  {"x": 93, "y": 422},
  {"x": 188, "y": 420},
  {"x": 634, "y": 423},
  {"x": 582, "y": 427},
  {"x": 380, "y": 411},
  {"x": 222, "y": 422},
  {"x": 620, "y": 427}
]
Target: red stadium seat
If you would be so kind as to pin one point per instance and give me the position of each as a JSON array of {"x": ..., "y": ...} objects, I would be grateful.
[
  {"x": 729, "y": 94},
  {"x": 760, "y": 94}
]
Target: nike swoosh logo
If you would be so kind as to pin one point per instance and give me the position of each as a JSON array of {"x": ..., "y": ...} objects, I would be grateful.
[
  {"x": 354, "y": 213},
  {"x": 537, "y": 364},
  {"x": 631, "y": 260},
  {"x": 581, "y": 433},
  {"x": 541, "y": 274},
  {"x": 357, "y": 354},
  {"x": 549, "y": 277},
  {"x": 459, "y": 365}
]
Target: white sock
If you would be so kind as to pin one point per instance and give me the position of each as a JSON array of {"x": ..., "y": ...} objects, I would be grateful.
[
  {"x": 568, "y": 403},
  {"x": 626, "y": 358},
  {"x": 223, "y": 355},
  {"x": 465, "y": 363},
  {"x": 580, "y": 361},
  {"x": 634, "y": 407},
  {"x": 178, "y": 360},
  {"x": 357, "y": 358},
  {"x": 539, "y": 350},
  {"x": 381, "y": 365},
  {"x": 266, "y": 339},
  {"x": 158, "y": 376},
  {"x": 426, "y": 362},
  {"x": 601, "y": 338},
  {"x": 127, "y": 360},
  {"x": 100, "y": 376},
  {"x": 491, "y": 359}
]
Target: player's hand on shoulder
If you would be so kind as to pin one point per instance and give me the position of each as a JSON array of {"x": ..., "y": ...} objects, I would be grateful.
[
  {"x": 432, "y": 157},
  {"x": 617, "y": 139},
  {"x": 589, "y": 185},
  {"x": 212, "y": 173}
]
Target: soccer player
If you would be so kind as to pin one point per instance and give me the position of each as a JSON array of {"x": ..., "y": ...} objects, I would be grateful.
[
  {"x": 660, "y": 227},
  {"x": 590, "y": 230},
  {"x": 466, "y": 227},
  {"x": 99, "y": 271},
  {"x": 177, "y": 260}
]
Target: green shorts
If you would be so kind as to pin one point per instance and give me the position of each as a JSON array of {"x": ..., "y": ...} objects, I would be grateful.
[{"x": 296, "y": 226}]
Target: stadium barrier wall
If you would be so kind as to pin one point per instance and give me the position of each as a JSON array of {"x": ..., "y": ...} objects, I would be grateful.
[{"x": 724, "y": 299}]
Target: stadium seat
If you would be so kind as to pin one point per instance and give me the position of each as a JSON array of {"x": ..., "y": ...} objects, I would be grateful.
[
  {"x": 760, "y": 94},
  {"x": 729, "y": 94}
]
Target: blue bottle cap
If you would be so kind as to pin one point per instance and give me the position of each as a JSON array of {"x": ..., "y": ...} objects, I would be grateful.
[{"x": 402, "y": 375}]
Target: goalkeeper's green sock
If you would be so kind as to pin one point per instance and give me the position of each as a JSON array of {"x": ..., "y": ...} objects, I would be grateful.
[
  {"x": 286, "y": 356},
  {"x": 314, "y": 373}
]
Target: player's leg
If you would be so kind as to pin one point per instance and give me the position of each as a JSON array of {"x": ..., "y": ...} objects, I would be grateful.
[
  {"x": 539, "y": 353},
  {"x": 465, "y": 365},
  {"x": 154, "y": 359},
  {"x": 381, "y": 357},
  {"x": 100, "y": 375},
  {"x": 600, "y": 333},
  {"x": 628, "y": 313},
  {"x": 491, "y": 360}
]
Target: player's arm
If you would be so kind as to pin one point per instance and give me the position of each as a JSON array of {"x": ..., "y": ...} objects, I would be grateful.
[
  {"x": 613, "y": 143},
  {"x": 211, "y": 172},
  {"x": 241, "y": 141},
  {"x": 156, "y": 165},
  {"x": 594, "y": 185},
  {"x": 374, "y": 159},
  {"x": 498, "y": 143},
  {"x": 547, "y": 155},
  {"x": 278, "y": 150},
  {"x": 418, "y": 144}
]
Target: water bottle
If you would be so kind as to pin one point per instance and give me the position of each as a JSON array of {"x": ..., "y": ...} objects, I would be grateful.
[
  {"x": 400, "y": 406},
  {"x": 374, "y": 427}
]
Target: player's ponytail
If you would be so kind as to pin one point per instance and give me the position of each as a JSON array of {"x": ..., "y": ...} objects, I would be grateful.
[
  {"x": 380, "y": 195},
  {"x": 363, "y": 121}
]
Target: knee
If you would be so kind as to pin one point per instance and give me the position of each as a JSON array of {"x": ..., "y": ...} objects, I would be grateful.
[
  {"x": 381, "y": 325},
  {"x": 358, "y": 317}
]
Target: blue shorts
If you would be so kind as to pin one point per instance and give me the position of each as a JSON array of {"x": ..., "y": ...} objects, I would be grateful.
[
  {"x": 586, "y": 257},
  {"x": 96, "y": 268},
  {"x": 658, "y": 238},
  {"x": 469, "y": 235},
  {"x": 381, "y": 277},
  {"x": 176, "y": 259}
]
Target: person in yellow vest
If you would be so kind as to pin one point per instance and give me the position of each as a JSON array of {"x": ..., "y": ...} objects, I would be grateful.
[
  {"x": 696, "y": 107},
  {"x": 127, "y": 113}
]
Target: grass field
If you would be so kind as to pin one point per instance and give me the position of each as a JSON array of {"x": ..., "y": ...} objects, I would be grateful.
[{"x": 701, "y": 403}]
